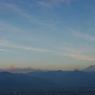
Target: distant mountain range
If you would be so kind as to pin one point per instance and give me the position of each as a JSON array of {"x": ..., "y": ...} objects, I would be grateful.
[
  {"x": 67, "y": 78},
  {"x": 49, "y": 79},
  {"x": 21, "y": 80}
]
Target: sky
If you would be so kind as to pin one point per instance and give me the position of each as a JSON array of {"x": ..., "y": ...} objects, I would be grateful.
[{"x": 47, "y": 34}]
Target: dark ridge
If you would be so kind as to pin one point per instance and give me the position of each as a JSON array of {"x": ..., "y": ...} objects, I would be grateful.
[{"x": 5, "y": 72}]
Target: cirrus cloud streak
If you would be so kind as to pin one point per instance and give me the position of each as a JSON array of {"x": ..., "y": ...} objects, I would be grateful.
[{"x": 73, "y": 55}]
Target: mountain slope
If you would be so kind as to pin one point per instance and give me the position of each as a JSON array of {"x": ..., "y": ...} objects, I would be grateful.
[
  {"x": 90, "y": 68},
  {"x": 67, "y": 78},
  {"x": 21, "y": 80}
]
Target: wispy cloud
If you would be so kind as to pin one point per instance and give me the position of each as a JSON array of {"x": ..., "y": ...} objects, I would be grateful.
[
  {"x": 4, "y": 50},
  {"x": 61, "y": 1},
  {"x": 73, "y": 55},
  {"x": 51, "y": 3},
  {"x": 11, "y": 32},
  {"x": 8, "y": 32},
  {"x": 85, "y": 36},
  {"x": 29, "y": 17},
  {"x": 80, "y": 54},
  {"x": 23, "y": 47},
  {"x": 81, "y": 57},
  {"x": 71, "y": 50},
  {"x": 7, "y": 43},
  {"x": 42, "y": 3},
  {"x": 7, "y": 27}
]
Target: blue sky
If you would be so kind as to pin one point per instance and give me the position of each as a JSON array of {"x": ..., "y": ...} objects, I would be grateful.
[{"x": 47, "y": 34}]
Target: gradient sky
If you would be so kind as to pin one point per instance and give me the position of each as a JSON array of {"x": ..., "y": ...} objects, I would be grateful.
[{"x": 47, "y": 34}]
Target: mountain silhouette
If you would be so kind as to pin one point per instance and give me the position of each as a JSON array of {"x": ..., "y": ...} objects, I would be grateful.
[
  {"x": 67, "y": 78},
  {"x": 21, "y": 80},
  {"x": 90, "y": 68},
  {"x": 41, "y": 79}
]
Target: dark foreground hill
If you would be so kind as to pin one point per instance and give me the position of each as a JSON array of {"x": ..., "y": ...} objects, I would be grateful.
[
  {"x": 67, "y": 78},
  {"x": 47, "y": 83},
  {"x": 20, "y": 80},
  {"x": 40, "y": 79}
]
